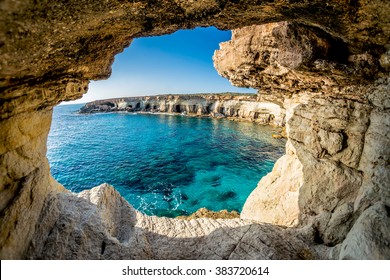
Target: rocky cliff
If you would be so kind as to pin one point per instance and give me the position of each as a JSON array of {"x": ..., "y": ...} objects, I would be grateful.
[
  {"x": 330, "y": 63},
  {"x": 100, "y": 224},
  {"x": 263, "y": 110},
  {"x": 336, "y": 167}
]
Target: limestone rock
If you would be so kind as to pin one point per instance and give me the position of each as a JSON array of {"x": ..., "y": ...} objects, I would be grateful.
[
  {"x": 25, "y": 180},
  {"x": 375, "y": 158},
  {"x": 339, "y": 173},
  {"x": 328, "y": 61},
  {"x": 100, "y": 224},
  {"x": 288, "y": 57},
  {"x": 369, "y": 238},
  {"x": 277, "y": 136},
  {"x": 205, "y": 213},
  {"x": 275, "y": 199},
  {"x": 318, "y": 180},
  {"x": 331, "y": 142},
  {"x": 67, "y": 39},
  {"x": 247, "y": 107}
]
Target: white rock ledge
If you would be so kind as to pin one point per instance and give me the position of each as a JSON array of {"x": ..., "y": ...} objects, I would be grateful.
[{"x": 100, "y": 224}]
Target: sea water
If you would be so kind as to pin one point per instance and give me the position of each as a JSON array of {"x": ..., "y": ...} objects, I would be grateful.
[{"x": 165, "y": 165}]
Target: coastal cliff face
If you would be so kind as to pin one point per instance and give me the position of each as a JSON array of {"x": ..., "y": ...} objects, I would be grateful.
[
  {"x": 336, "y": 164},
  {"x": 233, "y": 106},
  {"x": 329, "y": 61}
]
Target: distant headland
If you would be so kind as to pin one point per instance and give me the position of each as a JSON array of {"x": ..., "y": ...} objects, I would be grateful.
[{"x": 236, "y": 106}]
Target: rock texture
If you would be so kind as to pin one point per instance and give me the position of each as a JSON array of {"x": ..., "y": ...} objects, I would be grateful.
[
  {"x": 290, "y": 57},
  {"x": 205, "y": 213},
  {"x": 100, "y": 224},
  {"x": 329, "y": 63},
  {"x": 248, "y": 107},
  {"x": 275, "y": 200},
  {"x": 24, "y": 179},
  {"x": 334, "y": 167}
]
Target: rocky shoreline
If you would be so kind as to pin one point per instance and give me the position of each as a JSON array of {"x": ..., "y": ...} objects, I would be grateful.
[
  {"x": 238, "y": 107},
  {"x": 330, "y": 62}
]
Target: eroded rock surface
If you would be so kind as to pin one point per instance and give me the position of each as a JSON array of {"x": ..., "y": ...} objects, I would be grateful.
[
  {"x": 289, "y": 58},
  {"x": 100, "y": 224},
  {"x": 205, "y": 213},
  {"x": 334, "y": 167},
  {"x": 369, "y": 236},
  {"x": 275, "y": 200},
  {"x": 248, "y": 107},
  {"x": 328, "y": 61}
]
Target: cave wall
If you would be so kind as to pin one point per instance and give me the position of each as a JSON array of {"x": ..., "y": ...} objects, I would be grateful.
[
  {"x": 326, "y": 179},
  {"x": 50, "y": 50}
]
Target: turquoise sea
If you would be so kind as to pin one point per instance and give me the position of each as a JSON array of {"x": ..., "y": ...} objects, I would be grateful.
[{"x": 165, "y": 165}]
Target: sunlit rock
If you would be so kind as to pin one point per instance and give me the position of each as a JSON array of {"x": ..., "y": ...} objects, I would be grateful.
[{"x": 327, "y": 63}]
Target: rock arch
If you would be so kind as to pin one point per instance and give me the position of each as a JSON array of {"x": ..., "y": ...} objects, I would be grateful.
[{"x": 50, "y": 51}]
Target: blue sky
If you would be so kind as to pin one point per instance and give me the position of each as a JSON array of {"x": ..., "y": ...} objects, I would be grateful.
[{"x": 177, "y": 63}]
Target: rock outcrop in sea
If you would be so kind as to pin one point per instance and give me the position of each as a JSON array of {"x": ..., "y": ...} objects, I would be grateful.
[
  {"x": 328, "y": 197},
  {"x": 250, "y": 107}
]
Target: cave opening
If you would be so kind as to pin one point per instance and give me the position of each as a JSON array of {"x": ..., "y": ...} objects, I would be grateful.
[
  {"x": 35, "y": 77},
  {"x": 177, "y": 63},
  {"x": 159, "y": 167}
]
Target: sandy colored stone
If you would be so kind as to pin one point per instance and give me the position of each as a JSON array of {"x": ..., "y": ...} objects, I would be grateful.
[
  {"x": 369, "y": 237},
  {"x": 328, "y": 64},
  {"x": 248, "y": 107},
  {"x": 326, "y": 131},
  {"x": 80, "y": 38},
  {"x": 100, "y": 224},
  {"x": 331, "y": 142},
  {"x": 24, "y": 179},
  {"x": 375, "y": 158},
  {"x": 205, "y": 213},
  {"x": 289, "y": 58},
  {"x": 385, "y": 60},
  {"x": 275, "y": 199}
]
